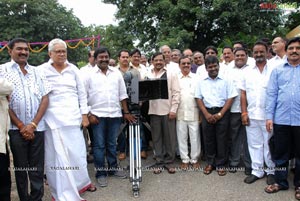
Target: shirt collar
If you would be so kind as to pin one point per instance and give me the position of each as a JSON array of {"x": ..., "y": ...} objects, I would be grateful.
[
  {"x": 130, "y": 67},
  {"x": 139, "y": 66},
  {"x": 51, "y": 62},
  {"x": 16, "y": 65},
  {"x": 287, "y": 64},
  {"x": 276, "y": 57},
  {"x": 219, "y": 76},
  {"x": 183, "y": 76},
  {"x": 265, "y": 67},
  {"x": 163, "y": 69},
  {"x": 246, "y": 65}
]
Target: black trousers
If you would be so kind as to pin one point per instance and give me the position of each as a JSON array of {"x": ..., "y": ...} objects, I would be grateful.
[
  {"x": 215, "y": 139},
  {"x": 286, "y": 142},
  {"x": 239, "y": 145},
  {"x": 28, "y": 162},
  {"x": 5, "y": 179}
]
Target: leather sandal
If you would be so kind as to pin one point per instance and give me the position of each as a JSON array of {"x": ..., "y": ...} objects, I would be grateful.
[
  {"x": 221, "y": 172},
  {"x": 171, "y": 170},
  {"x": 297, "y": 193},
  {"x": 92, "y": 188},
  {"x": 157, "y": 170},
  {"x": 208, "y": 169},
  {"x": 273, "y": 188}
]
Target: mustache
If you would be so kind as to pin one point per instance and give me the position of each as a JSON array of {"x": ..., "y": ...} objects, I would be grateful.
[{"x": 295, "y": 53}]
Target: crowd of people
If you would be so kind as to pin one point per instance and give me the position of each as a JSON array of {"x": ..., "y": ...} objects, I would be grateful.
[{"x": 234, "y": 112}]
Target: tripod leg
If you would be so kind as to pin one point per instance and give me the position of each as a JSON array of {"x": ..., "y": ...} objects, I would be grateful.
[
  {"x": 131, "y": 153},
  {"x": 139, "y": 164}
]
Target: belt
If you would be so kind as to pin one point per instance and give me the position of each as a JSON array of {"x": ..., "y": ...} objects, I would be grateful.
[{"x": 214, "y": 108}]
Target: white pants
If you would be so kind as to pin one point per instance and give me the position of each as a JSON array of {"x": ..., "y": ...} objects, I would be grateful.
[
  {"x": 191, "y": 129},
  {"x": 258, "y": 138},
  {"x": 65, "y": 163}
]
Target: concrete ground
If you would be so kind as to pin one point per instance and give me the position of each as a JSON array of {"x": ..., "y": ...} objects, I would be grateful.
[{"x": 183, "y": 185}]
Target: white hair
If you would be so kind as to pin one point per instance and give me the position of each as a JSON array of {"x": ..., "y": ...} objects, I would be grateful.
[
  {"x": 164, "y": 46},
  {"x": 54, "y": 42}
]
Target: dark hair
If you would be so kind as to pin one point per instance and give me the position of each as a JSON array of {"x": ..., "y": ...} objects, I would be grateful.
[
  {"x": 292, "y": 40},
  {"x": 89, "y": 54},
  {"x": 12, "y": 43},
  {"x": 227, "y": 47},
  {"x": 135, "y": 51},
  {"x": 184, "y": 57},
  {"x": 211, "y": 60},
  {"x": 241, "y": 43},
  {"x": 266, "y": 40},
  {"x": 157, "y": 54},
  {"x": 261, "y": 43},
  {"x": 211, "y": 48},
  {"x": 123, "y": 50},
  {"x": 101, "y": 50},
  {"x": 240, "y": 49}
]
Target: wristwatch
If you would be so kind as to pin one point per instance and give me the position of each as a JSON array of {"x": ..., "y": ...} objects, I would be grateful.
[{"x": 219, "y": 114}]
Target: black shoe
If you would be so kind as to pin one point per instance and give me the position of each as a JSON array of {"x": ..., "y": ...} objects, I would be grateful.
[
  {"x": 233, "y": 169},
  {"x": 293, "y": 170},
  {"x": 270, "y": 179},
  {"x": 90, "y": 159},
  {"x": 251, "y": 179},
  {"x": 248, "y": 171}
]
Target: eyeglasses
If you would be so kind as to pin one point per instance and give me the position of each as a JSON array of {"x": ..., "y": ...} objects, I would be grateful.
[{"x": 60, "y": 51}]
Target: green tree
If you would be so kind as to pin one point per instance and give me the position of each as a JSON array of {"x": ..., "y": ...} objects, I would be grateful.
[
  {"x": 40, "y": 20},
  {"x": 193, "y": 23},
  {"x": 293, "y": 21},
  {"x": 112, "y": 37}
]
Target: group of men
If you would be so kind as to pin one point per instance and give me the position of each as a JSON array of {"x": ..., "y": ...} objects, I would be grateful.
[{"x": 238, "y": 104}]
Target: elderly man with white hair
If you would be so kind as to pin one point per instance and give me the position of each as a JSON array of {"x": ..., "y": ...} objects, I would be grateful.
[{"x": 65, "y": 151}]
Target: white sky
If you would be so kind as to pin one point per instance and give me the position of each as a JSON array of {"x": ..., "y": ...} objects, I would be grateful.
[{"x": 91, "y": 11}]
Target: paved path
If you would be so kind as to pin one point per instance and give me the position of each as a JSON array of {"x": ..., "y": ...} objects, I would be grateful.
[{"x": 184, "y": 185}]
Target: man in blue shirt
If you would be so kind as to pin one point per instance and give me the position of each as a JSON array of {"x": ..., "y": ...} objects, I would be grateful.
[
  {"x": 283, "y": 116},
  {"x": 215, "y": 96}
]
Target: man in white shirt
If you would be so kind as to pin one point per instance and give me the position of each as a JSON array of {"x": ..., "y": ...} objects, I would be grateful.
[
  {"x": 27, "y": 106},
  {"x": 201, "y": 70},
  {"x": 65, "y": 150},
  {"x": 105, "y": 90},
  {"x": 228, "y": 57},
  {"x": 198, "y": 60},
  {"x": 253, "y": 95},
  {"x": 237, "y": 131},
  {"x": 85, "y": 71},
  {"x": 278, "y": 47},
  {"x": 90, "y": 67},
  {"x": 237, "y": 44},
  {"x": 175, "y": 55},
  {"x": 187, "y": 124},
  {"x": 171, "y": 66}
]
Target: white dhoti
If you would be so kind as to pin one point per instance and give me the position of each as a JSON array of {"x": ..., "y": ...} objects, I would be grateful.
[{"x": 65, "y": 163}]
